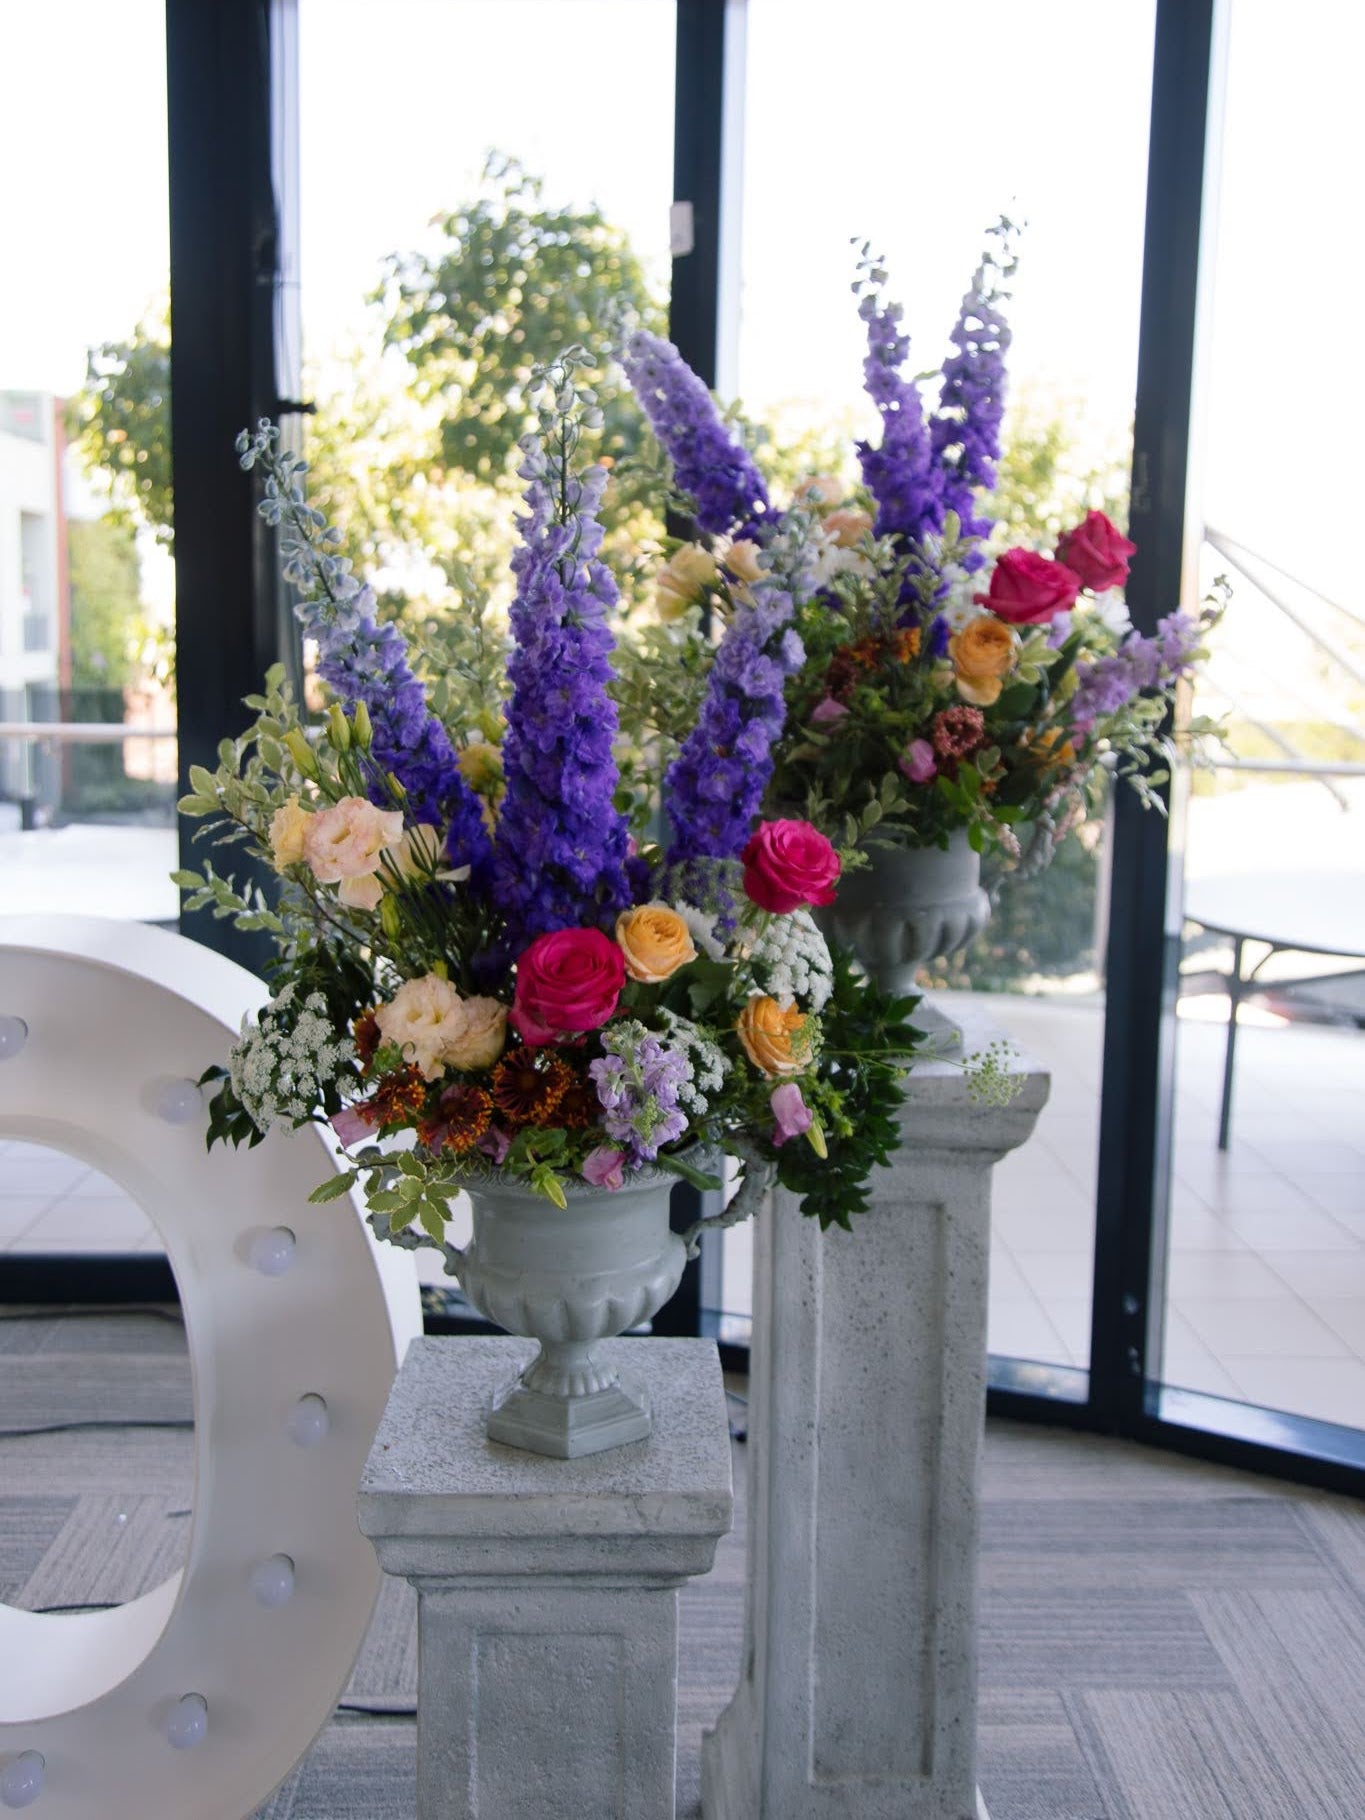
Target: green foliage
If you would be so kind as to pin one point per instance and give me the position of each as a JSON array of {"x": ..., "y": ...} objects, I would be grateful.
[
  {"x": 1047, "y": 482},
  {"x": 121, "y": 423},
  {"x": 867, "y": 1042},
  {"x": 511, "y": 283},
  {"x": 105, "y": 604}
]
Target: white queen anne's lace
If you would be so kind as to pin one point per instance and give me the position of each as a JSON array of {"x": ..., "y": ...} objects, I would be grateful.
[
  {"x": 791, "y": 959},
  {"x": 707, "y": 1064},
  {"x": 279, "y": 1070}
]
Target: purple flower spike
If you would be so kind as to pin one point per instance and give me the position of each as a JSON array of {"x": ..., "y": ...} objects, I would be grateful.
[
  {"x": 714, "y": 786},
  {"x": 901, "y": 474},
  {"x": 708, "y": 463},
  {"x": 561, "y": 845},
  {"x": 966, "y": 429}
]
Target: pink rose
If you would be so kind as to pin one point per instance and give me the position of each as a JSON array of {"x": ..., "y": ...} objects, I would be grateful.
[
  {"x": 602, "y": 1167},
  {"x": 792, "y": 1113},
  {"x": 1028, "y": 590},
  {"x": 567, "y": 982},
  {"x": 918, "y": 761},
  {"x": 788, "y": 865},
  {"x": 827, "y": 713},
  {"x": 1098, "y": 552}
]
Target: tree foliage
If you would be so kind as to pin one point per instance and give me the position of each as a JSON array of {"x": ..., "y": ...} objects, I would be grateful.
[
  {"x": 510, "y": 283},
  {"x": 121, "y": 423},
  {"x": 105, "y": 603}
]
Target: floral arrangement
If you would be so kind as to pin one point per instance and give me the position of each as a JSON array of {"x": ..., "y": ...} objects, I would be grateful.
[
  {"x": 944, "y": 687},
  {"x": 477, "y": 967}
]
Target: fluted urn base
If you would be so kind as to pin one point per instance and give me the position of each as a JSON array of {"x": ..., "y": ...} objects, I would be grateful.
[
  {"x": 567, "y": 1423},
  {"x": 571, "y": 1277},
  {"x": 908, "y": 906}
]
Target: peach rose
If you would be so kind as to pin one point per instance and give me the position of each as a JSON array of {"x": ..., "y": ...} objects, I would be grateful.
[
  {"x": 983, "y": 653},
  {"x": 688, "y": 570},
  {"x": 847, "y": 527},
  {"x": 655, "y": 942},
  {"x": 288, "y": 825},
  {"x": 817, "y": 491},
  {"x": 426, "y": 1018},
  {"x": 770, "y": 1036},
  {"x": 484, "y": 1036},
  {"x": 346, "y": 840}
]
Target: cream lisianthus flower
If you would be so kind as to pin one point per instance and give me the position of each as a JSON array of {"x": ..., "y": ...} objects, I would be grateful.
[
  {"x": 484, "y": 1036},
  {"x": 288, "y": 825},
  {"x": 346, "y": 840},
  {"x": 427, "y": 1019},
  {"x": 688, "y": 570},
  {"x": 744, "y": 560}
]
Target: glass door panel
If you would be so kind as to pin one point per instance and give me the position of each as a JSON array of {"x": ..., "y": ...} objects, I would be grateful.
[
  {"x": 86, "y": 581},
  {"x": 1266, "y": 1272},
  {"x": 920, "y": 162}
]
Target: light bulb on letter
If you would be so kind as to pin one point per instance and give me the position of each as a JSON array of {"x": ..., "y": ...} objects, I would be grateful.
[
  {"x": 13, "y": 1036},
  {"x": 272, "y": 1581},
  {"x": 272, "y": 1251},
  {"x": 188, "y": 1724},
  {"x": 21, "y": 1782},
  {"x": 309, "y": 1420}
]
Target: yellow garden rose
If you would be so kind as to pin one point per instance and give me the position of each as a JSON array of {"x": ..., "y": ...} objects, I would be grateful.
[
  {"x": 770, "y": 1036},
  {"x": 655, "y": 942},
  {"x": 688, "y": 570},
  {"x": 983, "y": 653},
  {"x": 287, "y": 828}
]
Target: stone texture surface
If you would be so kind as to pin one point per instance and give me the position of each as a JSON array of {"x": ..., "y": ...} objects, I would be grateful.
[
  {"x": 547, "y": 1589},
  {"x": 867, "y": 1389}
]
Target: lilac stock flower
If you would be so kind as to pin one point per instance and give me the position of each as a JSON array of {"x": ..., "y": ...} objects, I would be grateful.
[
  {"x": 714, "y": 786},
  {"x": 1140, "y": 663},
  {"x": 637, "y": 1087},
  {"x": 965, "y": 432},
  {"x": 708, "y": 462},
  {"x": 560, "y": 850},
  {"x": 362, "y": 660}
]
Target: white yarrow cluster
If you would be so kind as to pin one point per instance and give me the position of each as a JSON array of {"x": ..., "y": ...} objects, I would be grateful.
[
  {"x": 707, "y": 1064},
  {"x": 793, "y": 958},
  {"x": 279, "y": 1072}
]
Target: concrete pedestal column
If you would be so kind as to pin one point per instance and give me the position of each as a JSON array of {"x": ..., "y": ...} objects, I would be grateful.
[
  {"x": 867, "y": 1388},
  {"x": 547, "y": 1589}
]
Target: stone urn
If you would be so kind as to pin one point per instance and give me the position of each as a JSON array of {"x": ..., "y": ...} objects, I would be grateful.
[
  {"x": 570, "y": 1277},
  {"x": 908, "y": 906}
]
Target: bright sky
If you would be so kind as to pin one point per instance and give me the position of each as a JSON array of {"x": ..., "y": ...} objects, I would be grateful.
[{"x": 911, "y": 125}]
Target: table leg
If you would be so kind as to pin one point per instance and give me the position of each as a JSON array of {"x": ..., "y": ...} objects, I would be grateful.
[{"x": 1234, "y": 1001}]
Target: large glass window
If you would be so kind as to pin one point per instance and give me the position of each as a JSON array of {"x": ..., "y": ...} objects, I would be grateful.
[
  {"x": 1266, "y": 1279},
  {"x": 1051, "y": 130},
  {"x": 86, "y": 582}
]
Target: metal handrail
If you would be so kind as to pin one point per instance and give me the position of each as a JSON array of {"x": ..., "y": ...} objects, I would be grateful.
[{"x": 82, "y": 732}]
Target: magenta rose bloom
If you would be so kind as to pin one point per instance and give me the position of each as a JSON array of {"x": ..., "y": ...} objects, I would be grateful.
[
  {"x": 1028, "y": 590},
  {"x": 568, "y": 981},
  {"x": 1097, "y": 551},
  {"x": 788, "y": 865}
]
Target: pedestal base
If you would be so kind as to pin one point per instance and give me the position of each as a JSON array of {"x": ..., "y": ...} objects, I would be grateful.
[
  {"x": 567, "y": 1428},
  {"x": 547, "y": 1588},
  {"x": 866, "y": 1393}
]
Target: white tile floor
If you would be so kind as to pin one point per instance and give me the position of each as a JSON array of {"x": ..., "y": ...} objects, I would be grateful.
[{"x": 1267, "y": 1244}]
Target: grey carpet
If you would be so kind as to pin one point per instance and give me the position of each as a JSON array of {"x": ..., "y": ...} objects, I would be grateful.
[{"x": 1161, "y": 1640}]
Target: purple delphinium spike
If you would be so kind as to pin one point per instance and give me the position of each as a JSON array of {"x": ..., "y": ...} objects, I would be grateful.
[
  {"x": 708, "y": 463},
  {"x": 965, "y": 431},
  {"x": 901, "y": 473},
  {"x": 713, "y": 788},
  {"x": 559, "y": 858},
  {"x": 362, "y": 660}
]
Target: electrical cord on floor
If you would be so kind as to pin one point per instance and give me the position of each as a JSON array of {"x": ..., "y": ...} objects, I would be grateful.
[
  {"x": 59, "y": 1428},
  {"x": 50, "y": 1311}
]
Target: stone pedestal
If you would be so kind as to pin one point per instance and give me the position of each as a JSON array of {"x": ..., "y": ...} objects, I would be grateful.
[
  {"x": 547, "y": 1589},
  {"x": 867, "y": 1388}
]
